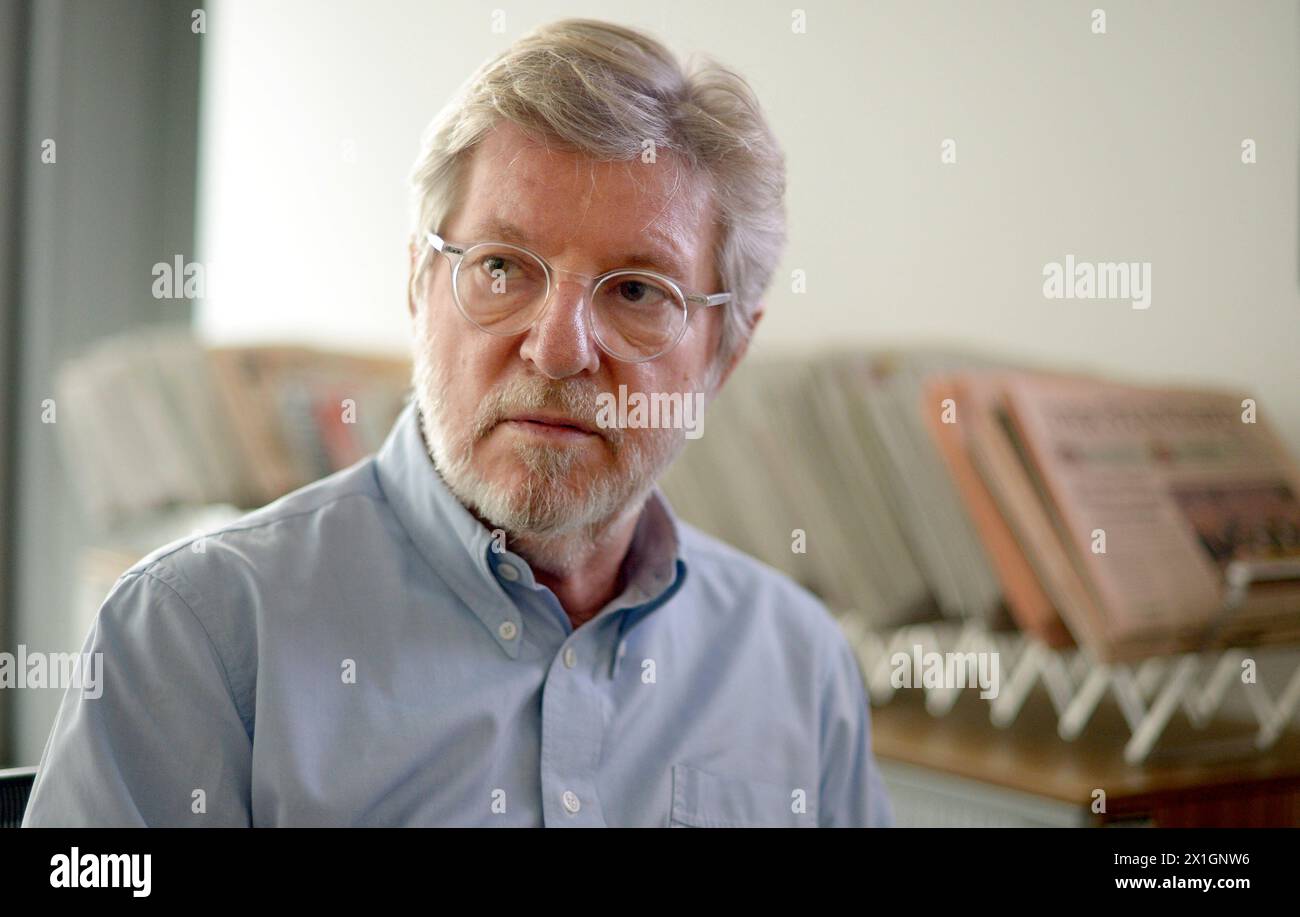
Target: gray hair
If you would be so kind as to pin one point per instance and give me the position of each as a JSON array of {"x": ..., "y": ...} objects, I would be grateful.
[{"x": 605, "y": 90}]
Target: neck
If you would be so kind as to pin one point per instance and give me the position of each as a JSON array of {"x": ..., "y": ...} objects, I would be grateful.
[{"x": 585, "y": 568}]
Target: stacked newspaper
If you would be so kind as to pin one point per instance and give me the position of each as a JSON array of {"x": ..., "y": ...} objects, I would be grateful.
[
  {"x": 150, "y": 421},
  {"x": 901, "y": 485},
  {"x": 824, "y": 470},
  {"x": 1121, "y": 516}
]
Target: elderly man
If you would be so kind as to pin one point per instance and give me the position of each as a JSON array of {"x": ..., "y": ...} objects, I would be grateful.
[{"x": 498, "y": 620}]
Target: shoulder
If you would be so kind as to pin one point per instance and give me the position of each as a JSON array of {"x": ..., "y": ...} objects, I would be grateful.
[
  {"x": 282, "y": 533},
  {"x": 225, "y": 572},
  {"x": 220, "y": 583},
  {"x": 741, "y": 591}
]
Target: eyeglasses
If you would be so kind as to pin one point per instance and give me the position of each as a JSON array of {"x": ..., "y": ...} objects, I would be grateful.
[{"x": 503, "y": 289}]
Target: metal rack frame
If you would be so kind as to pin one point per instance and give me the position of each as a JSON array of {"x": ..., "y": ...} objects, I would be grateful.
[{"x": 1149, "y": 692}]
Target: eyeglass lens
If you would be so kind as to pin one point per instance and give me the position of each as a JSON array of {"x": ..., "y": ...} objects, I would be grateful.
[{"x": 503, "y": 289}]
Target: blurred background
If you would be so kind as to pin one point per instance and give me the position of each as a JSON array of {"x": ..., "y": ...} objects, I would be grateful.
[{"x": 939, "y": 156}]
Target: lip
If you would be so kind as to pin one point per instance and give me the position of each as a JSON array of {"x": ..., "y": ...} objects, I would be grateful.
[{"x": 550, "y": 424}]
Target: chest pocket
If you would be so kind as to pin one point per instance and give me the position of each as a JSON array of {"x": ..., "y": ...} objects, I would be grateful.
[{"x": 705, "y": 800}]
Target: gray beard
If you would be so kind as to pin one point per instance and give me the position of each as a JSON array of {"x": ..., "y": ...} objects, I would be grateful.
[{"x": 547, "y": 518}]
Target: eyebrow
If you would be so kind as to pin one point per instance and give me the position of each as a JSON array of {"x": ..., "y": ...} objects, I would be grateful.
[{"x": 502, "y": 230}]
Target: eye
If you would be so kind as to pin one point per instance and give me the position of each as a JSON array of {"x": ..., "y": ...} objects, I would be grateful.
[
  {"x": 639, "y": 291},
  {"x": 494, "y": 263}
]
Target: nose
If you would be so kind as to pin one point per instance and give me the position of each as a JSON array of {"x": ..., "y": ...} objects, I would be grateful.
[{"x": 561, "y": 344}]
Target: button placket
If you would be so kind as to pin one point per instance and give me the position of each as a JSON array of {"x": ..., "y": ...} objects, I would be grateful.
[{"x": 574, "y": 716}]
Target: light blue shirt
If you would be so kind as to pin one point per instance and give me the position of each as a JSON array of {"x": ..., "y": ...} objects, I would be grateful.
[{"x": 360, "y": 652}]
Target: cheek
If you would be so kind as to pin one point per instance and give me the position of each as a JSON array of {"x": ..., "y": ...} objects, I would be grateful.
[
  {"x": 682, "y": 371},
  {"x": 476, "y": 361},
  {"x": 685, "y": 369}
]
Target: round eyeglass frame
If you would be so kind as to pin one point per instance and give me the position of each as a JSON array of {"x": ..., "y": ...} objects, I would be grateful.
[{"x": 455, "y": 254}]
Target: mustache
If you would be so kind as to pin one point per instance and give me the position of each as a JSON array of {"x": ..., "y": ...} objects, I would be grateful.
[{"x": 575, "y": 398}]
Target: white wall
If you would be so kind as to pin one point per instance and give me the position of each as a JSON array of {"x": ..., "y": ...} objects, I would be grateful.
[{"x": 1123, "y": 146}]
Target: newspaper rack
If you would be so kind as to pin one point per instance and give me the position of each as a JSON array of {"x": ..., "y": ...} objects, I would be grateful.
[{"x": 1149, "y": 692}]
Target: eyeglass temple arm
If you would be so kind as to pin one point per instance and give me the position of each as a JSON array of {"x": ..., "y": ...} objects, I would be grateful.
[
  {"x": 715, "y": 299},
  {"x": 442, "y": 245}
]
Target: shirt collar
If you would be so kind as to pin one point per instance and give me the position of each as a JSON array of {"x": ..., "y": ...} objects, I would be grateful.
[
  {"x": 657, "y": 564},
  {"x": 459, "y": 548}
]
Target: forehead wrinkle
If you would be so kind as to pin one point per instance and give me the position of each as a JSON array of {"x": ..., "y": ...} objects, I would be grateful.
[
  {"x": 668, "y": 200},
  {"x": 666, "y": 229},
  {"x": 584, "y": 200},
  {"x": 680, "y": 224},
  {"x": 513, "y": 159}
]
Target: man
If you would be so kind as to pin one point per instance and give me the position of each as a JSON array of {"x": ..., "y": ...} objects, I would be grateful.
[{"x": 498, "y": 620}]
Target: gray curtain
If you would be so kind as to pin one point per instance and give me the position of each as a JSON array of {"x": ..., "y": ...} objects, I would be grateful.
[{"x": 115, "y": 85}]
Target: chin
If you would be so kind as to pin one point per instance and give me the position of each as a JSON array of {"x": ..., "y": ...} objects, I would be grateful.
[
  {"x": 545, "y": 492},
  {"x": 526, "y": 505}
]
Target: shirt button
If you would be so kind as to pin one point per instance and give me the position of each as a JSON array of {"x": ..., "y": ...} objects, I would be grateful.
[
  {"x": 570, "y": 657},
  {"x": 508, "y": 630},
  {"x": 507, "y": 572},
  {"x": 571, "y": 802}
]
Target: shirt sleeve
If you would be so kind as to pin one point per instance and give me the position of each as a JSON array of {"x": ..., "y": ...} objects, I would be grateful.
[
  {"x": 159, "y": 740},
  {"x": 852, "y": 792}
]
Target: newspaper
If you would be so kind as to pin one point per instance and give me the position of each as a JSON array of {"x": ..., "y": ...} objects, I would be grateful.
[
  {"x": 1155, "y": 492},
  {"x": 1001, "y": 502}
]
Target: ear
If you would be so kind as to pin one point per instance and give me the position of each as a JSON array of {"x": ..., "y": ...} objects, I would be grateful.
[{"x": 741, "y": 350}]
